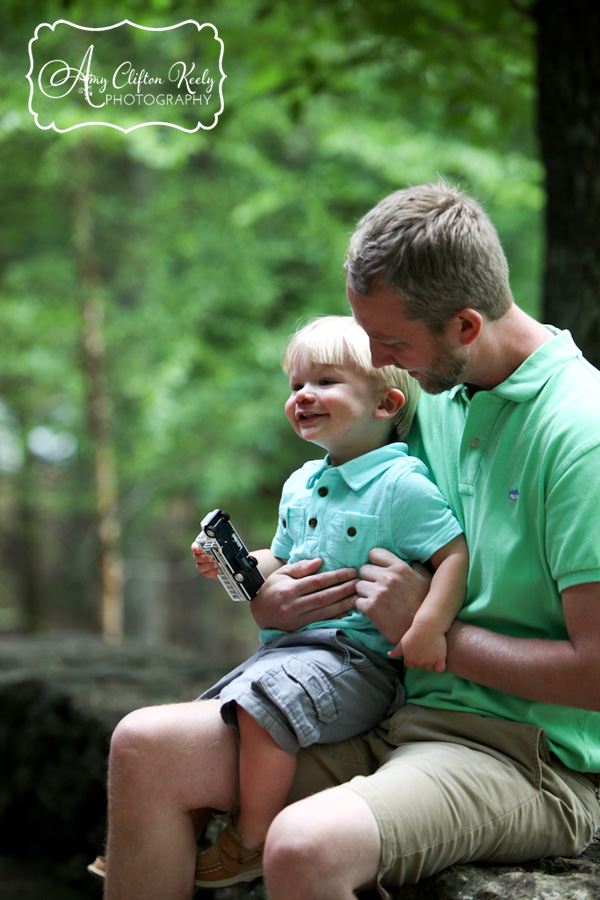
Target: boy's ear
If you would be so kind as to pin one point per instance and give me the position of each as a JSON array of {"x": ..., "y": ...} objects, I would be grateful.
[{"x": 391, "y": 401}]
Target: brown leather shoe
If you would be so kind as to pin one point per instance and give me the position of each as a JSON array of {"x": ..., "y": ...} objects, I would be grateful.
[
  {"x": 98, "y": 867},
  {"x": 228, "y": 861}
]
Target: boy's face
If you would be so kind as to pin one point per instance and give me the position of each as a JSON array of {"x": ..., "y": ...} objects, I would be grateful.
[{"x": 336, "y": 407}]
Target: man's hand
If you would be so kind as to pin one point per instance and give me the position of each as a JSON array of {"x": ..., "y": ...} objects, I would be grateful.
[
  {"x": 298, "y": 594},
  {"x": 390, "y": 592}
]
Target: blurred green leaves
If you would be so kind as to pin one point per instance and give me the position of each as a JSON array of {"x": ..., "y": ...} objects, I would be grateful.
[{"x": 211, "y": 246}]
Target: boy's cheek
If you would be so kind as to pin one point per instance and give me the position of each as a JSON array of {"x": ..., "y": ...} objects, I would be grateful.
[{"x": 291, "y": 414}]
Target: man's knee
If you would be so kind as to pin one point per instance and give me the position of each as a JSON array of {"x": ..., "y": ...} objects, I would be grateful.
[
  {"x": 133, "y": 741},
  {"x": 296, "y": 850},
  {"x": 330, "y": 837}
]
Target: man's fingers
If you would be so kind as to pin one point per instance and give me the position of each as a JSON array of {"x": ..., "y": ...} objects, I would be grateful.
[
  {"x": 297, "y": 594},
  {"x": 301, "y": 569},
  {"x": 330, "y": 610},
  {"x": 313, "y": 581},
  {"x": 380, "y": 557}
]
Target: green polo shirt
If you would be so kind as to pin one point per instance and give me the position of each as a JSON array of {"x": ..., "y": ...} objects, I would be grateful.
[
  {"x": 520, "y": 467},
  {"x": 339, "y": 513}
]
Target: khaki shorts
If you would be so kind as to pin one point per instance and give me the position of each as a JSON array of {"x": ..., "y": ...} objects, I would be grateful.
[{"x": 448, "y": 787}]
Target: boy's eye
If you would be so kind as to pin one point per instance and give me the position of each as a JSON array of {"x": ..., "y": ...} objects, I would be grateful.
[
  {"x": 297, "y": 386},
  {"x": 326, "y": 381}
]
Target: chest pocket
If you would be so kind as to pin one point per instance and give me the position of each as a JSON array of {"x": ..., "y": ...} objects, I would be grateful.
[
  {"x": 294, "y": 523},
  {"x": 351, "y": 536}
]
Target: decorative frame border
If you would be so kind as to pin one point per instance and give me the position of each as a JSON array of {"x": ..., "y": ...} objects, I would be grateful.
[{"x": 108, "y": 28}]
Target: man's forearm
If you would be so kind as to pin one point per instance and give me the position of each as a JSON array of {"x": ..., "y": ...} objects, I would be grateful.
[{"x": 546, "y": 671}]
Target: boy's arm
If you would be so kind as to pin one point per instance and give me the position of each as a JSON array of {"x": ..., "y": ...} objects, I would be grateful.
[
  {"x": 267, "y": 562},
  {"x": 424, "y": 644}
]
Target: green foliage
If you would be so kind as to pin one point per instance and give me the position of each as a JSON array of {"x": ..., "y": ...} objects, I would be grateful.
[{"x": 212, "y": 246}]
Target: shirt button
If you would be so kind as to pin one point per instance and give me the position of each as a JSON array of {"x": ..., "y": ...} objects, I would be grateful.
[
  {"x": 352, "y": 531},
  {"x": 284, "y": 523},
  {"x": 313, "y": 522},
  {"x": 323, "y": 491},
  {"x": 474, "y": 442}
]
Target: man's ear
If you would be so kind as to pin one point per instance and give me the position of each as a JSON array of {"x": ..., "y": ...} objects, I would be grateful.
[
  {"x": 467, "y": 324},
  {"x": 391, "y": 401}
]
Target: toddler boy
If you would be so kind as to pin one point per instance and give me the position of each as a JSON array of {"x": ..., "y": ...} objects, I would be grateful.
[{"x": 336, "y": 678}]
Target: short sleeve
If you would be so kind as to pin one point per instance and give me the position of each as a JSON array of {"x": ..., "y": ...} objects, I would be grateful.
[
  {"x": 573, "y": 521},
  {"x": 422, "y": 521}
]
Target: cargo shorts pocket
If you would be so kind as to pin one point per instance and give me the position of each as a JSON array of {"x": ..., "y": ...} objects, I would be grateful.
[{"x": 305, "y": 695}]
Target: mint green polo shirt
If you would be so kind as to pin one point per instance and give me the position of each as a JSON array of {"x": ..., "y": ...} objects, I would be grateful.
[
  {"x": 384, "y": 498},
  {"x": 520, "y": 467}
]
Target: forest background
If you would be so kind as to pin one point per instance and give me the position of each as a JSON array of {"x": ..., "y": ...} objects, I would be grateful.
[{"x": 149, "y": 280}]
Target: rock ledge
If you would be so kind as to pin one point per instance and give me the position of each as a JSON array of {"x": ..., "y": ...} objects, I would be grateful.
[{"x": 60, "y": 698}]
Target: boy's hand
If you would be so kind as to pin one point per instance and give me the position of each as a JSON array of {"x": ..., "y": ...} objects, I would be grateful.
[
  {"x": 422, "y": 648},
  {"x": 204, "y": 563}
]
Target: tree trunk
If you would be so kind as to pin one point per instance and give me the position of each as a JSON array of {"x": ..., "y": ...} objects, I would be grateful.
[
  {"x": 25, "y": 548},
  {"x": 569, "y": 131},
  {"x": 99, "y": 406}
]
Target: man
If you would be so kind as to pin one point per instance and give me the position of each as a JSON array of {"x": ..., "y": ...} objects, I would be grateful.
[{"x": 495, "y": 759}]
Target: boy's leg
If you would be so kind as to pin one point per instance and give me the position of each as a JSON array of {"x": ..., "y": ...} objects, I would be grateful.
[
  {"x": 166, "y": 763},
  {"x": 266, "y": 775}
]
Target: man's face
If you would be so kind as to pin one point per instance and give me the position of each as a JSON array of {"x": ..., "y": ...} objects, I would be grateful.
[{"x": 436, "y": 361}]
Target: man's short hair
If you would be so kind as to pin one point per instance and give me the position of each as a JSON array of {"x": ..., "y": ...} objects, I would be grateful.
[{"x": 437, "y": 249}]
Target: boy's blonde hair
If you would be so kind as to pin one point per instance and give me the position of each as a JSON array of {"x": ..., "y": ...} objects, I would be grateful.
[{"x": 340, "y": 341}]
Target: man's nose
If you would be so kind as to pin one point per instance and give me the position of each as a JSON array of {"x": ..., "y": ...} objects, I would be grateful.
[{"x": 381, "y": 355}]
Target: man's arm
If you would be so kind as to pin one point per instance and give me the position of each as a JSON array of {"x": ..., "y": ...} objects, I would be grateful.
[{"x": 565, "y": 672}]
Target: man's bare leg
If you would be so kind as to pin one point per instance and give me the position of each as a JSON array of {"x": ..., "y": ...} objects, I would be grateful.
[
  {"x": 166, "y": 763},
  {"x": 325, "y": 847}
]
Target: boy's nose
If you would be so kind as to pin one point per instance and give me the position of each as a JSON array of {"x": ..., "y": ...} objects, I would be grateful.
[{"x": 306, "y": 394}]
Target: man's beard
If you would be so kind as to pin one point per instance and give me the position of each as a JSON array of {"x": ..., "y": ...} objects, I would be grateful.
[{"x": 447, "y": 370}]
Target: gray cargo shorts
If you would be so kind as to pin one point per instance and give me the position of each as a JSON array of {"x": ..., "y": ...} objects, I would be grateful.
[{"x": 309, "y": 687}]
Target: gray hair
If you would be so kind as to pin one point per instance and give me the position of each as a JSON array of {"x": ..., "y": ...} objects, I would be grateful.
[{"x": 437, "y": 249}]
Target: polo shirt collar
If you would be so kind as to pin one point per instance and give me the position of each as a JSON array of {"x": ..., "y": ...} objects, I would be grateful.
[
  {"x": 533, "y": 373},
  {"x": 360, "y": 471}
]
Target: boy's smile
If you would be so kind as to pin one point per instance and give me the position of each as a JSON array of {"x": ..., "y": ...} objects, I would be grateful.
[{"x": 337, "y": 408}]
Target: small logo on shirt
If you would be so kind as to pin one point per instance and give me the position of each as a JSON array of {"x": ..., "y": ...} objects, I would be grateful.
[{"x": 514, "y": 494}]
